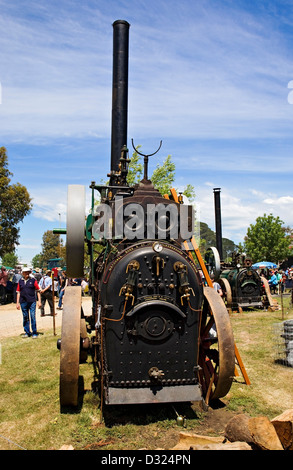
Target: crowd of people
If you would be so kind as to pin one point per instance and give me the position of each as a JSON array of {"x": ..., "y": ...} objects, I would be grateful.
[
  {"x": 9, "y": 280},
  {"x": 279, "y": 279},
  {"x": 32, "y": 288}
]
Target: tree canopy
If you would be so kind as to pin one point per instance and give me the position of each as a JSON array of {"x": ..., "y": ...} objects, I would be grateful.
[
  {"x": 208, "y": 239},
  {"x": 52, "y": 247},
  {"x": 266, "y": 240},
  {"x": 162, "y": 178},
  {"x": 15, "y": 204},
  {"x": 10, "y": 259}
]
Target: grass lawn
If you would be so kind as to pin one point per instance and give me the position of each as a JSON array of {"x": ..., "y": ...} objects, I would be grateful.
[{"x": 30, "y": 415}]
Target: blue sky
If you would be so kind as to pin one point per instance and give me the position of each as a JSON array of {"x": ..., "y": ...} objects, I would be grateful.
[{"x": 210, "y": 78}]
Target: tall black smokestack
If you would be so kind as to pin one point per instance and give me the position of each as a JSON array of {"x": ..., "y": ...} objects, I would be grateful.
[
  {"x": 119, "y": 91},
  {"x": 218, "y": 220}
]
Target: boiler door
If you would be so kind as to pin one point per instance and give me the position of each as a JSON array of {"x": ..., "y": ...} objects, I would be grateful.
[{"x": 155, "y": 320}]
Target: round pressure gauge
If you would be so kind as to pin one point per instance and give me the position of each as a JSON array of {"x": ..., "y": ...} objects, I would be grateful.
[{"x": 157, "y": 247}]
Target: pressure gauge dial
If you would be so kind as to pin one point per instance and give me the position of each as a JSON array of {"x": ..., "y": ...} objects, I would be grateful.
[{"x": 157, "y": 247}]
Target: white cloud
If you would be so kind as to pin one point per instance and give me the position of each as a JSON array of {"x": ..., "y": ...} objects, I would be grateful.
[
  {"x": 50, "y": 203},
  {"x": 280, "y": 201},
  {"x": 25, "y": 246},
  {"x": 207, "y": 75},
  {"x": 211, "y": 75},
  {"x": 238, "y": 212}
]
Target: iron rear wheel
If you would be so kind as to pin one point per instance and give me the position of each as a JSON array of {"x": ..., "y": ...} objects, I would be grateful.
[
  {"x": 216, "y": 350},
  {"x": 70, "y": 346}
]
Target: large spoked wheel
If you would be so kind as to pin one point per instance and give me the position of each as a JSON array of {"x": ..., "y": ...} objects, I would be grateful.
[
  {"x": 216, "y": 350},
  {"x": 227, "y": 292},
  {"x": 70, "y": 346},
  {"x": 75, "y": 230},
  {"x": 213, "y": 262}
]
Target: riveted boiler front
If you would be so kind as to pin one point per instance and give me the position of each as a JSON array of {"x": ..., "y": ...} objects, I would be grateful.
[{"x": 151, "y": 301}]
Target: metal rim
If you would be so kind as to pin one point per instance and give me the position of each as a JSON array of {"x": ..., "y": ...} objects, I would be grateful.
[
  {"x": 212, "y": 259},
  {"x": 216, "y": 355},
  {"x": 75, "y": 230},
  {"x": 226, "y": 288},
  {"x": 70, "y": 346}
]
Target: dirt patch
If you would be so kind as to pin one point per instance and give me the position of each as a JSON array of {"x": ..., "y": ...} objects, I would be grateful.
[{"x": 215, "y": 420}]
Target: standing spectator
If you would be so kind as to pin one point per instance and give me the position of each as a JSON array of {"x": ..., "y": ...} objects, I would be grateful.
[
  {"x": 59, "y": 278},
  {"x": 84, "y": 287},
  {"x": 216, "y": 285},
  {"x": 283, "y": 281},
  {"x": 46, "y": 293},
  {"x": 26, "y": 301},
  {"x": 15, "y": 280},
  {"x": 9, "y": 289},
  {"x": 63, "y": 282},
  {"x": 3, "y": 284},
  {"x": 55, "y": 287},
  {"x": 279, "y": 279},
  {"x": 273, "y": 282},
  {"x": 37, "y": 274}
]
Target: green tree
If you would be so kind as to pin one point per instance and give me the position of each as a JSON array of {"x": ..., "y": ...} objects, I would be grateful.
[
  {"x": 10, "y": 259},
  {"x": 37, "y": 261},
  {"x": 266, "y": 240},
  {"x": 135, "y": 169},
  {"x": 208, "y": 239},
  {"x": 164, "y": 175},
  {"x": 52, "y": 247},
  {"x": 15, "y": 204},
  {"x": 162, "y": 178}
]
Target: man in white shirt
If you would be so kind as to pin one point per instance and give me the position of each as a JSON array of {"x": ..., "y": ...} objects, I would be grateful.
[{"x": 46, "y": 293}]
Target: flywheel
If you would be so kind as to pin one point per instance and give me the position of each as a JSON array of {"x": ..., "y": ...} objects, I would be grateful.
[
  {"x": 75, "y": 230},
  {"x": 213, "y": 262},
  {"x": 70, "y": 346},
  {"x": 217, "y": 348}
]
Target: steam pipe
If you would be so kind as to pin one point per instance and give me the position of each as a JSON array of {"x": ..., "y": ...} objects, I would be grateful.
[
  {"x": 119, "y": 91},
  {"x": 218, "y": 220}
]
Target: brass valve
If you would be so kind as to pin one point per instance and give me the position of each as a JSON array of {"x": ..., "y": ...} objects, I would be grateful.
[
  {"x": 184, "y": 286},
  {"x": 127, "y": 288},
  {"x": 133, "y": 265},
  {"x": 127, "y": 291},
  {"x": 187, "y": 292},
  {"x": 159, "y": 264}
]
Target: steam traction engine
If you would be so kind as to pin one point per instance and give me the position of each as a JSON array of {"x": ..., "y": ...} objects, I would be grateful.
[
  {"x": 151, "y": 313},
  {"x": 242, "y": 286}
]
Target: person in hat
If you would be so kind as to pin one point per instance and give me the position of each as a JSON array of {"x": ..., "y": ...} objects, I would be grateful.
[
  {"x": 26, "y": 301},
  {"x": 37, "y": 274},
  {"x": 3, "y": 284},
  {"x": 46, "y": 293}
]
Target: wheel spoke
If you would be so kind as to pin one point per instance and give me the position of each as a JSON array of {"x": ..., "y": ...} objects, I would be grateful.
[{"x": 216, "y": 353}]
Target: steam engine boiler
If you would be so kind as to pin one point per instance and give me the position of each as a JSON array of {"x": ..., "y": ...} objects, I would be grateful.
[{"x": 149, "y": 332}]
